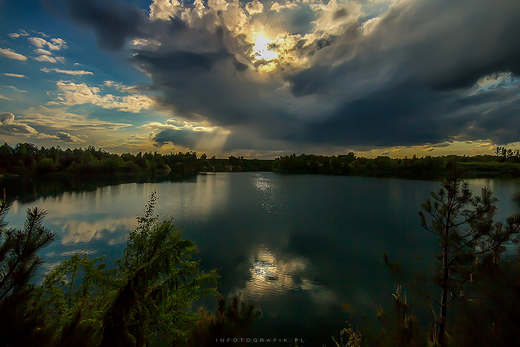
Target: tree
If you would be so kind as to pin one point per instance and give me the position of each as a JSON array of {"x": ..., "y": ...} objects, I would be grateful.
[
  {"x": 20, "y": 322},
  {"x": 160, "y": 283},
  {"x": 464, "y": 225},
  {"x": 148, "y": 293}
]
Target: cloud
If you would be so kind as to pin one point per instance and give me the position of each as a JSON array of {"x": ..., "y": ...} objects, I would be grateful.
[
  {"x": 113, "y": 23},
  {"x": 56, "y": 119},
  {"x": 37, "y": 41},
  {"x": 42, "y": 136},
  {"x": 17, "y": 35},
  {"x": 254, "y": 7},
  {"x": 16, "y": 89},
  {"x": 68, "y": 72},
  {"x": 4, "y": 97},
  {"x": 41, "y": 33},
  {"x": 66, "y": 137},
  {"x": 80, "y": 93},
  {"x": 361, "y": 74},
  {"x": 60, "y": 43},
  {"x": 116, "y": 85},
  {"x": 9, "y": 53},
  {"x": 55, "y": 44},
  {"x": 9, "y": 126},
  {"x": 45, "y": 58},
  {"x": 45, "y": 49},
  {"x": 42, "y": 51},
  {"x": 9, "y": 74},
  {"x": 187, "y": 134}
]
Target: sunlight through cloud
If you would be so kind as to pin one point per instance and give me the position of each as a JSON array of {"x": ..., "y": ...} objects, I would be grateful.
[{"x": 261, "y": 49}]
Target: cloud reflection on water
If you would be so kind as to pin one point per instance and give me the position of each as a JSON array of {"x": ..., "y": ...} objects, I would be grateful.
[{"x": 271, "y": 276}]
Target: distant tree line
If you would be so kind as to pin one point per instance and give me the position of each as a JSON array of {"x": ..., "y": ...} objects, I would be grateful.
[
  {"x": 29, "y": 159},
  {"x": 415, "y": 167},
  {"x": 508, "y": 153}
]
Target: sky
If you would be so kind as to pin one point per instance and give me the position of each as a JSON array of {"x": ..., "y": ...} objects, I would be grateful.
[{"x": 262, "y": 78}]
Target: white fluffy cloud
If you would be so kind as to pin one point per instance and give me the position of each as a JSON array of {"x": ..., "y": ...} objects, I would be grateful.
[
  {"x": 45, "y": 49},
  {"x": 17, "y": 35},
  {"x": 80, "y": 93},
  {"x": 9, "y": 53},
  {"x": 55, "y": 44}
]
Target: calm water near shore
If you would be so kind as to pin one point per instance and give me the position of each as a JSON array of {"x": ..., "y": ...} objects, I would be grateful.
[{"x": 298, "y": 246}]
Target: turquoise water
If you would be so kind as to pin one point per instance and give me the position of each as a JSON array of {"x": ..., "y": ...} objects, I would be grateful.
[{"x": 298, "y": 246}]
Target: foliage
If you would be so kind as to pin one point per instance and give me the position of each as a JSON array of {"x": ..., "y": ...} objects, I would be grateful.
[
  {"x": 28, "y": 159},
  {"x": 20, "y": 322},
  {"x": 353, "y": 338},
  {"x": 82, "y": 303},
  {"x": 491, "y": 314},
  {"x": 479, "y": 286},
  {"x": 75, "y": 297},
  {"x": 233, "y": 319},
  {"x": 383, "y": 166},
  {"x": 464, "y": 225},
  {"x": 399, "y": 327},
  {"x": 160, "y": 282},
  {"x": 149, "y": 291}
]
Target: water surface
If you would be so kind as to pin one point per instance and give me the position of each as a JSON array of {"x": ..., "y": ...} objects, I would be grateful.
[{"x": 299, "y": 246}]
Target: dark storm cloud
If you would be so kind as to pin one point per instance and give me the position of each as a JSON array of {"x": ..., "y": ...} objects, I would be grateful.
[
  {"x": 405, "y": 82},
  {"x": 112, "y": 22},
  {"x": 404, "y": 78},
  {"x": 181, "y": 61},
  {"x": 405, "y": 115},
  {"x": 178, "y": 137},
  {"x": 442, "y": 44}
]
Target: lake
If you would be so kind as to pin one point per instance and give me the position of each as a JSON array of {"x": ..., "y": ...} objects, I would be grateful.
[{"x": 298, "y": 246}]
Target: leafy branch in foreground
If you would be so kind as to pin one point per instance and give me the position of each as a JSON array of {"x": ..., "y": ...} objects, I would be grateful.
[
  {"x": 149, "y": 292},
  {"x": 231, "y": 319},
  {"x": 160, "y": 283},
  {"x": 18, "y": 263},
  {"x": 145, "y": 298}
]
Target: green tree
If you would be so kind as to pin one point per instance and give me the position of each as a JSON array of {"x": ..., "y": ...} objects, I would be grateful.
[
  {"x": 20, "y": 322},
  {"x": 160, "y": 283},
  {"x": 148, "y": 293},
  {"x": 464, "y": 225}
]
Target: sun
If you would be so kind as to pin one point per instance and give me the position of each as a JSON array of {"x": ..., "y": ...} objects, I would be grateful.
[{"x": 261, "y": 49}]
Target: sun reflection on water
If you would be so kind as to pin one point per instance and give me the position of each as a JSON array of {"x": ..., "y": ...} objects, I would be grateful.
[{"x": 267, "y": 193}]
